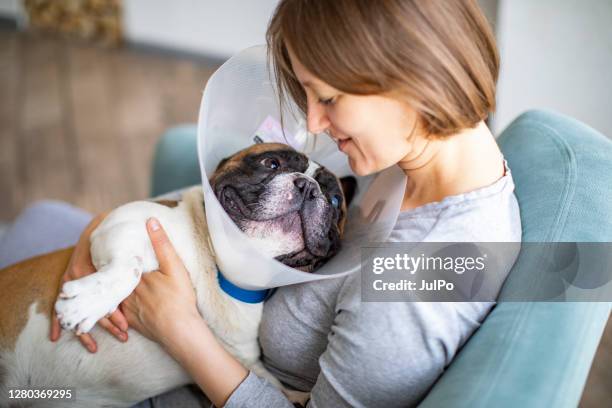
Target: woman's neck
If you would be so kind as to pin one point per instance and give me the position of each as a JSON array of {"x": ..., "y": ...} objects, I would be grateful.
[{"x": 452, "y": 165}]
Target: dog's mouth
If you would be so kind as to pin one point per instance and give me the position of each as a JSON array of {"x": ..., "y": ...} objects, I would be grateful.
[
  {"x": 246, "y": 215},
  {"x": 234, "y": 205},
  {"x": 297, "y": 230},
  {"x": 240, "y": 210}
]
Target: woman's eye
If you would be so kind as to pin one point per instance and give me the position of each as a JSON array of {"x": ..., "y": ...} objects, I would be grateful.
[
  {"x": 326, "y": 102},
  {"x": 271, "y": 163},
  {"x": 335, "y": 201}
]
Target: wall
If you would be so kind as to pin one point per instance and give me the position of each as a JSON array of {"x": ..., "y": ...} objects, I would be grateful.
[
  {"x": 556, "y": 54},
  {"x": 214, "y": 28},
  {"x": 9, "y": 8}
]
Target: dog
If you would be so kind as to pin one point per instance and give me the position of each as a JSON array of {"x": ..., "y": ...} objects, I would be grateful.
[{"x": 291, "y": 208}]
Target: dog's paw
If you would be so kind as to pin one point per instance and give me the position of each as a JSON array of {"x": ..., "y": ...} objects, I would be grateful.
[{"x": 84, "y": 301}]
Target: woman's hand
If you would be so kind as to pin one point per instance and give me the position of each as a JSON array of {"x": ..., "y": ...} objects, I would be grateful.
[
  {"x": 163, "y": 300},
  {"x": 163, "y": 308},
  {"x": 81, "y": 265}
]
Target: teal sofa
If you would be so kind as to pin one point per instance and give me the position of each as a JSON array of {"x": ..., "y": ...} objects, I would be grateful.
[{"x": 526, "y": 354}]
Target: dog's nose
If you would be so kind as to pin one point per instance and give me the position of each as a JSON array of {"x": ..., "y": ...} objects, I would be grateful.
[{"x": 308, "y": 188}]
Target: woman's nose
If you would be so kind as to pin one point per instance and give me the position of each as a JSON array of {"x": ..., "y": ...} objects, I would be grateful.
[{"x": 316, "y": 116}]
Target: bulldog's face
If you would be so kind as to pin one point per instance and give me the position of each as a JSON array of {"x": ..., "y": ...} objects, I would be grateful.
[{"x": 292, "y": 208}]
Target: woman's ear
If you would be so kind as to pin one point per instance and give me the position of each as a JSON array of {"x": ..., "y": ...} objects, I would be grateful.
[{"x": 349, "y": 188}]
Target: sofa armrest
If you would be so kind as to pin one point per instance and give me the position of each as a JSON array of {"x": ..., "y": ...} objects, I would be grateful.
[{"x": 539, "y": 354}]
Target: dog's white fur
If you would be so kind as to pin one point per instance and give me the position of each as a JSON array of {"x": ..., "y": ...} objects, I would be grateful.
[{"x": 121, "y": 374}]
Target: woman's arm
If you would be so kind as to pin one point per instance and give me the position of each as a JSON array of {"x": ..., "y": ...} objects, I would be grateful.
[
  {"x": 215, "y": 370},
  {"x": 378, "y": 353}
]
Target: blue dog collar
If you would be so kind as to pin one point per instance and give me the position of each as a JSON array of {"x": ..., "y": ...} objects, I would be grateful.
[{"x": 244, "y": 295}]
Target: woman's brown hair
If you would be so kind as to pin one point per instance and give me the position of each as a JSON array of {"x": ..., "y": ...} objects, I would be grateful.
[{"x": 438, "y": 54}]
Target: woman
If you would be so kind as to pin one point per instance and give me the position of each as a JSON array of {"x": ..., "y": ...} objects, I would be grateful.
[{"x": 406, "y": 83}]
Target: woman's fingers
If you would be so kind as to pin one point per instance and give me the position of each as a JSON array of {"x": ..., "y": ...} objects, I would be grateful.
[
  {"x": 166, "y": 255},
  {"x": 88, "y": 342},
  {"x": 119, "y": 320},
  {"x": 110, "y": 327},
  {"x": 80, "y": 265},
  {"x": 56, "y": 330},
  {"x": 113, "y": 327}
]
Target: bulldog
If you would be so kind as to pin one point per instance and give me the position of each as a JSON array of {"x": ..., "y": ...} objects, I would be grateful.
[{"x": 290, "y": 207}]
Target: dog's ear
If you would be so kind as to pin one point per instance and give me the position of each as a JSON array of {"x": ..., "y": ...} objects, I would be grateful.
[
  {"x": 349, "y": 188},
  {"x": 221, "y": 163}
]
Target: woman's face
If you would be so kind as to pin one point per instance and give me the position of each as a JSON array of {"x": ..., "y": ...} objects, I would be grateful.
[{"x": 373, "y": 130}]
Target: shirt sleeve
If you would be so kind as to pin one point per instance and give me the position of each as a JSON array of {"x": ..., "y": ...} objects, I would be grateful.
[
  {"x": 378, "y": 354},
  {"x": 255, "y": 391}
]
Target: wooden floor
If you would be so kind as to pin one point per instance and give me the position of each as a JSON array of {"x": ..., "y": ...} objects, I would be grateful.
[{"x": 79, "y": 123}]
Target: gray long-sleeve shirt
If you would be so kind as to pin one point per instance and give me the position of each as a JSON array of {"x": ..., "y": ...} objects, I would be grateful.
[{"x": 320, "y": 337}]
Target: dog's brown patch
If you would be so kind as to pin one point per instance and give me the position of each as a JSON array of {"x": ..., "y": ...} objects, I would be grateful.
[
  {"x": 33, "y": 280},
  {"x": 167, "y": 203},
  {"x": 237, "y": 159},
  {"x": 259, "y": 148}
]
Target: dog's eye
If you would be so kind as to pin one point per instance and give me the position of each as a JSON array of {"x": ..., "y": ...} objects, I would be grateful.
[
  {"x": 270, "y": 163},
  {"x": 336, "y": 200}
]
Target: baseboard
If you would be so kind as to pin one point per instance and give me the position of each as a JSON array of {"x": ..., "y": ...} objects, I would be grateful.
[
  {"x": 8, "y": 23},
  {"x": 212, "y": 60}
]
